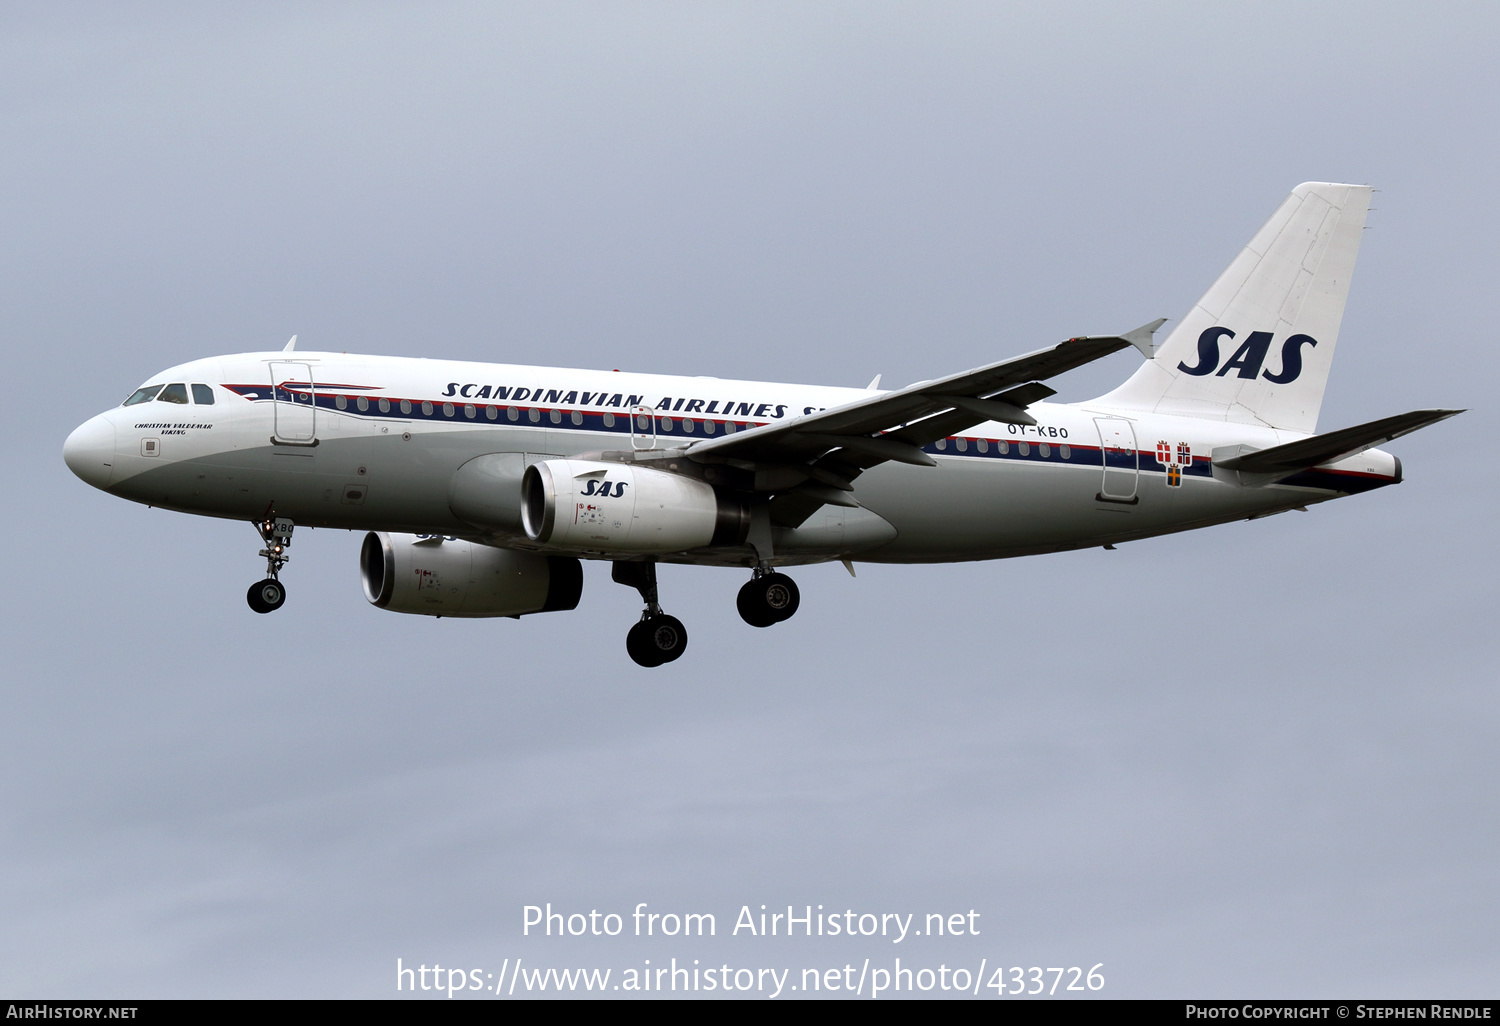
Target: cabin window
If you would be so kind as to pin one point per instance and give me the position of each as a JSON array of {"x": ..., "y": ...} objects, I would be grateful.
[
  {"x": 338, "y": 400},
  {"x": 447, "y": 409},
  {"x": 469, "y": 411},
  {"x": 1025, "y": 448},
  {"x": 511, "y": 413},
  {"x": 362, "y": 403},
  {"x": 143, "y": 395},
  {"x": 666, "y": 423},
  {"x": 942, "y": 443},
  {"x": 609, "y": 420},
  {"x": 174, "y": 393},
  {"x": 406, "y": 406},
  {"x": 1065, "y": 452},
  {"x": 555, "y": 416},
  {"x": 577, "y": 418},
  {"x": 203, "y": 395},
  {"x": 426, "y": 408},
  {"x": 492, "y": 412},
  {"x": 709, "y": 427},
  {"x": 962, "y": 445},
  {"x": 1046, "y": 450},
  {"x": 534, "y": 415},
  {"x": 687, "y": 425}
]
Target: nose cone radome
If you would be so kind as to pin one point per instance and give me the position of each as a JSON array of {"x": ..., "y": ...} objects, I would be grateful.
[{"x": 90, "y": 451}]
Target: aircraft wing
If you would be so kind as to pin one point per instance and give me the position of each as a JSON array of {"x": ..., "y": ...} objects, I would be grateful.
[
  {"x": 1334, "y": 445},
  {"x": 818, "y": 456}
]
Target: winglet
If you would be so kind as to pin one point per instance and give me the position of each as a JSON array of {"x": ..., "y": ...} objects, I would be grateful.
[
  {"x": 290, "y": 345},
  {"x": 1141, "y": 337}
]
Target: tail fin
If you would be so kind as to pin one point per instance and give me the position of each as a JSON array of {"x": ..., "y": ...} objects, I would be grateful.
[{"x": 1257, "y": 347}]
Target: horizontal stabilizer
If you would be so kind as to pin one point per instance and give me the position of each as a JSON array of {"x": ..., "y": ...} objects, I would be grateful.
[{"x": 1335, "y": 445}]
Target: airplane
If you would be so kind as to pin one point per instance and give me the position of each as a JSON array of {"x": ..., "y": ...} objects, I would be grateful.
[{"x": 481, "y": 486}]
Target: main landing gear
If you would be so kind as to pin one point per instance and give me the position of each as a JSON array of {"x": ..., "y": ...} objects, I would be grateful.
[
  {"x": 657, "y": 638},
  {"x": 268, "y": 595},
  {"x": 768, "y": 598}
]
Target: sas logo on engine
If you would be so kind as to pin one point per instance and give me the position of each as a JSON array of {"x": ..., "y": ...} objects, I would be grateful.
[
  {"x": 1247, "y": 359},
  {"x": 604, "y": 489}
]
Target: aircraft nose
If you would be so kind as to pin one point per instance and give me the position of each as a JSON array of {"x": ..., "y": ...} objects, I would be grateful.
[{"x": 89, "y": 451}]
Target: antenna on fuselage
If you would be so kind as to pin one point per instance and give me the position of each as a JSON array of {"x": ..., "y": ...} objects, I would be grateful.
[{"x": 291, "y": 345}]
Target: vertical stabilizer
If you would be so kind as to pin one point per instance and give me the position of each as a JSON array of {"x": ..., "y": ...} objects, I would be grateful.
[{"x": 1257, "y": 347}]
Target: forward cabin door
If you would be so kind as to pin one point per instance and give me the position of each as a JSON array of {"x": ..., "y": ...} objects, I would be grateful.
[
  {"x": 295, "y": 404},
  {"x": 1120, "y": 460}
]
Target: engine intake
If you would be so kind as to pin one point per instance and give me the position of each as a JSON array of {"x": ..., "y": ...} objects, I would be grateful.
[
  {"x": 611, "y": 507},
  {"x": 413, "y": 573}
]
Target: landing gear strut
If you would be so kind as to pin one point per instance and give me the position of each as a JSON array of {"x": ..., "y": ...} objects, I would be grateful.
[
  {"x": 657, "y": 638},
  {"x": 767, "y": 598},
  {"x": 268, "y": 595}
]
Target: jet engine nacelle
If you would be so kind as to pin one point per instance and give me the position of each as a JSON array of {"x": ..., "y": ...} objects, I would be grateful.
[
  {"x": 613, "y": 507},
  {"x": 415, "y": 573}
]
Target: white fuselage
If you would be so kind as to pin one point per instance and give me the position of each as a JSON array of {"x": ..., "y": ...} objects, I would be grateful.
[{"x": 375, "y": 443}]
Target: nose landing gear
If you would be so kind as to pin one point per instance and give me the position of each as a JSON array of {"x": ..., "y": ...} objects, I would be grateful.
[
  {"x": 267, "y": 596},
  {"x": 657, "y": 638},
  {"x": 768, "y": 598}
]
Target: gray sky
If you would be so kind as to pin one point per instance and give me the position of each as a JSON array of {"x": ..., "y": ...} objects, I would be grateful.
[{"x": 1259, "y": 759}]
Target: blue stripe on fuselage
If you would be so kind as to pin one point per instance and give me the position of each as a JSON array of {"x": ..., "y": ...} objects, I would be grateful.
[{"x": 607, "y": 422}]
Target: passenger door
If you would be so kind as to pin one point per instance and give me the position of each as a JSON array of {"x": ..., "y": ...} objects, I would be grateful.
[
  {"x": 296, "y": 407},
  {"x": 1120, "y": 460}
]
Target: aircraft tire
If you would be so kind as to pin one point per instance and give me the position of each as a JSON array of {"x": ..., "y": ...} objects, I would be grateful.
[
  {"x": 768, "y": 600},
  {"x": 656, "y": 640},
  {"x": 266, "y": 596}
]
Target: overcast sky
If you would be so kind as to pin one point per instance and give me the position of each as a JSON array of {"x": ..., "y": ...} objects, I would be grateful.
[{"x": 1255, "y": 760}]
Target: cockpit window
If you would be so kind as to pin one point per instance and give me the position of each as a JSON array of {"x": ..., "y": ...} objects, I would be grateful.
[
  {"x": 174, "y": 393},
  {"x": 203, "y": 395},
  {"x": 144, "y": 395}
]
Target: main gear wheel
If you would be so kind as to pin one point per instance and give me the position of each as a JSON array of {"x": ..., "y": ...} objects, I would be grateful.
[{"x": 768, "y": 599}]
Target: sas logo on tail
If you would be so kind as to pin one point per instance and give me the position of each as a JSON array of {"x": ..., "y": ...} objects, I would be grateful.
[{"x": 1247, "y": 359}]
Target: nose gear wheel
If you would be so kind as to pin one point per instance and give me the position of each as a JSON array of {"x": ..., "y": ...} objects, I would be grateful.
[{"x": 268, "y": 595}]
